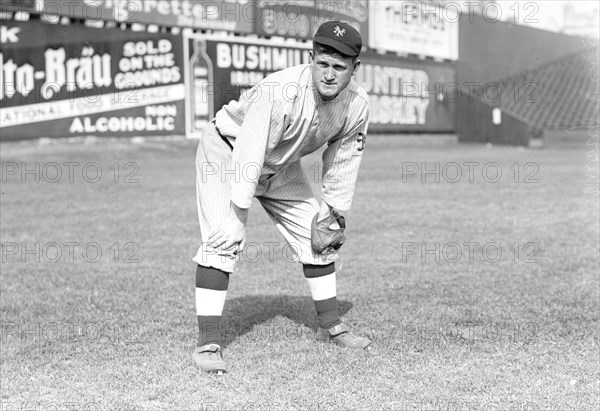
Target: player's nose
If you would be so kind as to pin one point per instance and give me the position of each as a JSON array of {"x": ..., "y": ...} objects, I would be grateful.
[{"x": 329, "y": 74}]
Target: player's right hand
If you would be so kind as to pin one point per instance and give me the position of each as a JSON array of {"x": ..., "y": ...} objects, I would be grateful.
[{"x": 229, "y": 234}]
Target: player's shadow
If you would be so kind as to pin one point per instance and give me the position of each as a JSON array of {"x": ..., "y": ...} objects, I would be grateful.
[{"x": 242, "y": 314}]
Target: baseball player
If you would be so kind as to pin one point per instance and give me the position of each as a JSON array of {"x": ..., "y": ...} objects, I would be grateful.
[{"x": 252, "y": 148}]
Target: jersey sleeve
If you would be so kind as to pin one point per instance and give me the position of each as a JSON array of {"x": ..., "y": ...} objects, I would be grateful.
[
  {"x": 341, "y": 161},
  {"x": 251, "y": 145}
]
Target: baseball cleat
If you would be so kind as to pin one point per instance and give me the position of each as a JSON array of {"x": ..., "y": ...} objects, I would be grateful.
[
  {"x": 341, "y": 335},
  {"x": 209, "y": 358}
]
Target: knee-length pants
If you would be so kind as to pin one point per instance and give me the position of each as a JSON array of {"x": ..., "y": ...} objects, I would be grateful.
[{"x": 286, "y": 196}]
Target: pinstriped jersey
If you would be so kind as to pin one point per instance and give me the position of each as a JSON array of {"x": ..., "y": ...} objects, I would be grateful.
[{"x": 282, "y": 119}]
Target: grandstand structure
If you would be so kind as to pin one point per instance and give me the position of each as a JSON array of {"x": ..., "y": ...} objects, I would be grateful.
[{"x": 525, "y": 86}]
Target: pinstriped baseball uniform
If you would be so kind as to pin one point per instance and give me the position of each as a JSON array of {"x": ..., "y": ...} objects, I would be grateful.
[{"x": 271, "y": 128}]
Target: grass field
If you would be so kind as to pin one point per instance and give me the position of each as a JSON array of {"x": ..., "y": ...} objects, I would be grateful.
[{"x": 475, "y": 330}]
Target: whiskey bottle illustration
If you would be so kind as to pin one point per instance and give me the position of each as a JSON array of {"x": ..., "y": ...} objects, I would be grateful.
[{"x": 202, "y": 86}]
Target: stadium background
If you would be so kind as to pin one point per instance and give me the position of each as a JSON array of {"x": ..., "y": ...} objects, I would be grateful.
[{"x": 108, "y": 68}]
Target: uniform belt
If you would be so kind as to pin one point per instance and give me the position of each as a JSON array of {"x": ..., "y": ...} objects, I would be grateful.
[{"x": 221, "y": 135}]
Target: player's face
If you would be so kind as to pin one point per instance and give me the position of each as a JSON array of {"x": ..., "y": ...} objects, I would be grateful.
[{"x": 332, "y": 73}]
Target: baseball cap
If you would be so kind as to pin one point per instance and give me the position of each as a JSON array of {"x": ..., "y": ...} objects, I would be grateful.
[{"x": 340, "y": 36}]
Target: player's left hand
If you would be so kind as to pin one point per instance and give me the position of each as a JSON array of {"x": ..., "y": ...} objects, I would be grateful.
[{"x": 327, "y": 230}]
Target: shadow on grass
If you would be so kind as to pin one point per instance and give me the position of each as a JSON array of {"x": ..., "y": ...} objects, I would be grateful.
[{"x": 242, "y": 314}]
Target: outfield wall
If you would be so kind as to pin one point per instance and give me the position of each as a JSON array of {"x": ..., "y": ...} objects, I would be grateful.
[
  {"x": 69, "y": 80},
  {"x": 483, "y": 123},
  {"x": 406, "y": 93}
]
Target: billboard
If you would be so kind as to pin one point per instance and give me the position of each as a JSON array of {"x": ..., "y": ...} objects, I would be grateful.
[
  {"x": 17, "y": 5},
  {"x": 408, "y": 95},
  {"x": 301, "y": 18},
  {"x": 229, "y": 15},
  {"x": 61, "y": 81},
  {"x": 414, "y": 27},
  {"x": 219, "y": 71},
  {"x": 404, "y": 95}
]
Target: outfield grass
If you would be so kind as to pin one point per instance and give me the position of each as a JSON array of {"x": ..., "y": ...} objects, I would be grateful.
[{"x": 449, "y": 333}]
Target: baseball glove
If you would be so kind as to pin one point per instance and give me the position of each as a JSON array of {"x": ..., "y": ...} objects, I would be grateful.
[{"x": 324, "y": 237}]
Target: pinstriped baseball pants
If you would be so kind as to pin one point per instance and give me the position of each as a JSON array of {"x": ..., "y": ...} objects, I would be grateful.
[{"x": 286, "y": 196}]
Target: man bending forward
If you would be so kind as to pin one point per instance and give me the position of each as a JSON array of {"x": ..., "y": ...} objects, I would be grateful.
[{"x": 288, "y": 115}]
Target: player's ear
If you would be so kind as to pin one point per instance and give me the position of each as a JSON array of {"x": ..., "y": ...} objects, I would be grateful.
[
  {"x": 356, "y": 66},
  {"x": 312, "y": 55}
]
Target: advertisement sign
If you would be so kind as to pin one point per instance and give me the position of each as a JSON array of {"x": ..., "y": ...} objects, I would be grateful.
[
  {"x": 61, "y": 81},
  {"x": 301, "y": 18},
  {"x": 413, "y": 27},
  {"x": 408, "y": 95},
  {"x": 219, "y": 71},
  {"x": 404, "y": 95},
  {"x": 230, "y": 15},
  {"x": 17, "y": 5}
]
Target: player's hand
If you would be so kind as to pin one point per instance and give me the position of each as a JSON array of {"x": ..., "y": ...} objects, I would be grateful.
[
  {"x": 327, "y": 230},
  {"x": 324, "y": 212},
  {"x": 231, "y": 232}
]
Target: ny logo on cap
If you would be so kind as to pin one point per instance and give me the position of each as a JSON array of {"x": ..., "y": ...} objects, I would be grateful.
[{"x": 338, "y": 31}]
